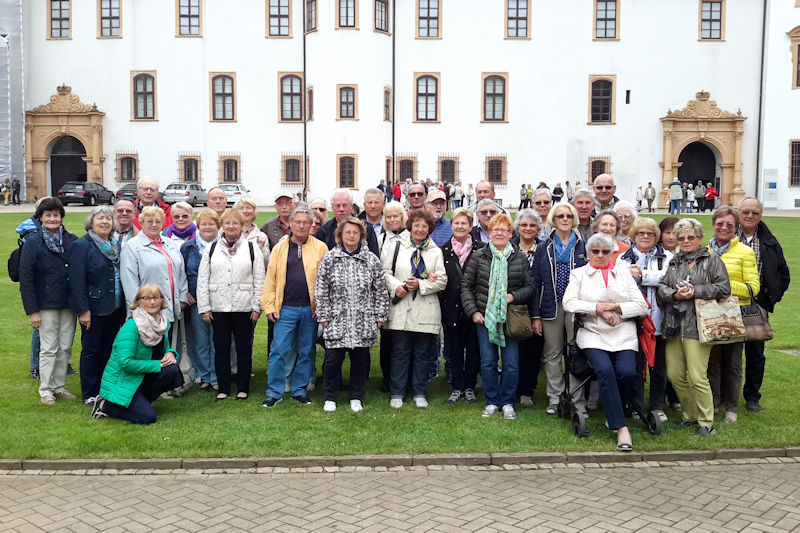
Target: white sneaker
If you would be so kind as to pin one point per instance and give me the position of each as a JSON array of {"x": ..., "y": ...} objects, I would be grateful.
[
  {"x": 356, "y": 406},
  {"x": 489, "y": 411},
  {"x": 420, "y": 401},
  {"x": 508, "y": 412},
  {"x": 525, "y": 401},
  {"x": 329, "y": 406},
  {"x": 311, "y": 386},
  {"x": 397, "y": 403}
]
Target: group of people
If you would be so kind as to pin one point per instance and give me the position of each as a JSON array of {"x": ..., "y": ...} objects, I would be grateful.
[
  {"x": 688, "y": 196},
  {"x": 407, "y": 278}
]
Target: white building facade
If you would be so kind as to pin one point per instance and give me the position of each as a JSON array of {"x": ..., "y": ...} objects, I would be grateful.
[{"x": 316, "y": 94}]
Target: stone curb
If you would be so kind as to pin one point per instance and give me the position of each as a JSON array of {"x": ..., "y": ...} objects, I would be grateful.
[{"x": 401, "y": 461}]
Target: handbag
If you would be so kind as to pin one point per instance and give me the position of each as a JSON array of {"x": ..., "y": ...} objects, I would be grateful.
[
  {"x": 720, "y": 322},
  {"x": 185, "y": 362},
  {"x": 756, "y": 320},
  {"x": 518, "y": 322},
  {"x": 578, "y": 365}
]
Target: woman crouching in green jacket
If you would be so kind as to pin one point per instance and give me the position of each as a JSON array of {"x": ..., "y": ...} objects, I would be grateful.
[{"x": 142, "y": 365}]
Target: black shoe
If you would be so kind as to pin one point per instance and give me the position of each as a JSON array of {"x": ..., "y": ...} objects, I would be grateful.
[
  {"x": 303, "y": 399},
  {"x": 704, "y": 431},
  {"x": 34, "y": 373},
  {"x": 685, "y": 424},
  {"x": 97, "y": 409},
  {"x": 242, "y": 398},
  {"x": 384, "y": 387},
  {"x": 221, "y": 398},
  {"x": 753, "y": 406},
  {"x": 71, "y": 371},
  {"x": 271, "y": 402}
]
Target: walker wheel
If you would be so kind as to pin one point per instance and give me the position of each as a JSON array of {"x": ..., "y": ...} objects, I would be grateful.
[
  {"x": 579, "y": 425},
  {"x": 653, "y": 423}
]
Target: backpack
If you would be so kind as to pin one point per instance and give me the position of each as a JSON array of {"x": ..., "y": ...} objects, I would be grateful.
[
  {"x": 214, "y": 245},
  {"x": 13, "y": 261}
]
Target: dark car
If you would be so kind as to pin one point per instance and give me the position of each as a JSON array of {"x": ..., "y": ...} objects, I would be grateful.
[
  {"x": 85, "y": 192},
  {"x": 127, "y": 192}
]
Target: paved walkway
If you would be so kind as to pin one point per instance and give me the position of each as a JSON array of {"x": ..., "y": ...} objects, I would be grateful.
[{"x": 733, "y": 495}]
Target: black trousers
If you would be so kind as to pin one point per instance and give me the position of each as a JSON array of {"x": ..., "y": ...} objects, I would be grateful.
[
  {"x": 754, "y": 362},
  {"x": 530, "y": 361},
  {"x": 385, "y": 352},
  {"x": 332, "y": 372},
  {"x": 96, "y": 343},
  {"x": 240, "y": 325}
]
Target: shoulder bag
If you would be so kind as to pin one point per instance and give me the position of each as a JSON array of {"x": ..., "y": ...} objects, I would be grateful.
[{"x": 756, "y": 320}]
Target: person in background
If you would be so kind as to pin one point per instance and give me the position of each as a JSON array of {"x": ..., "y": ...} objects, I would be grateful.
[
  {"x": 774, "y": 276},
  {"x": 523, "y": 197},
  {"x": 484, "y": 212},
  {"x": 583, "y": 201},
  {"x": 199, "y": 333},
  {"x": 604, "y": 188},
  {"x": 542, "y": 202},
  {"x": 437, "y": 207},
  {"x": 95, "y": 293},
  {"x": 147, "y": 196},
  {"x": 276, "y": 228},
  {"x": 711, "y": 197},
  {"x": 142, "y": 365},
  {"x": 352, "y": 305},
  {"x": 249, "y": 210},
  {"x": 16, "y": 186},
  {"x": 44, "y": 287},
  {"x": 527, "y": 226},
  {"x": 217, "y": 200},
  {"x": 182, "y": 228},
  {"x": 318, "y": 221},
  {"x": 460, "y": 334},
  {"x": 627, "y": 215},
  {"x": 558, "y": 193},
  {"x": 470, "y": 195},
  {"x": 725, "y": 362},
  {"x": 320, "y": 205},
  {"x": 342, "y": 205},
  {"x": 700, "y": 194},
  {"x": 693, "y": 273},
  {"x": 675, "y": 196},
  {"x": 639, "y": 198},
  {"x": 669, "y": 240},
  {"x": 123, "y": 216},
  {"x": 608, "y": 222},
  {"x": 458, "y": 195},
  {"x": 690, "y": 196},
  {"x": 417, "y": 193},
  {"x": 650, "y": 196},
  {"x": 569, "y": 190}
]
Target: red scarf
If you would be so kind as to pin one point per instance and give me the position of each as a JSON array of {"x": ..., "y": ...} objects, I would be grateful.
[{"x": 604, "y": 271}]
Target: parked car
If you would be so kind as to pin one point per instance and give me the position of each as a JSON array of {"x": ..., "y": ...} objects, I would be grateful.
[
  {"x": 235, "y": 192},
  {"x": 85, "y": 192},
  {"x": 127, "y": 192},
  {"x": 190, "y": 193}
]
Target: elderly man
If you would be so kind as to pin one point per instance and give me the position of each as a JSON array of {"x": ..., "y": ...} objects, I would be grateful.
[
  {"x": 342, "y": 205},
  {"x": 123, "y": 213},
  {"x": 584, "y": 204},
  {"x": 277, "y": 227},
  {"x": 372, "y": 215},
  {"x": 604, "y": 189},
  {"x": 404, "y": 190},
  {"x": 485, "y": 210},
  {"x": 217, "y": 200},
  {"x": 483, "y": 191},
  {"x": 416, "y": 196},
  {"x": 774, "y": 274},
  {"x": 288, "y": 301},
  {"x": 147, "y": 192},
  {"x": 436, "y": 205},
  {"x": 321, "y": 205},
  {"x": 675, "y": 196}
]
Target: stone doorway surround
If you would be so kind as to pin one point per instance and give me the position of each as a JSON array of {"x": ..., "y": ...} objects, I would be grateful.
[
  {"x": 64, "y": 115},
  {"x": 702, "y": 121}
]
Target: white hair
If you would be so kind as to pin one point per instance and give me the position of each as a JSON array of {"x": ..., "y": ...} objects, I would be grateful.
[{"x": 337, "y": 192}]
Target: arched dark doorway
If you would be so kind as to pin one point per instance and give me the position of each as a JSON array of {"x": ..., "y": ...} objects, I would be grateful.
[
  {"x": 66, "y": 162},
  {"x": 699, "y": 163}
]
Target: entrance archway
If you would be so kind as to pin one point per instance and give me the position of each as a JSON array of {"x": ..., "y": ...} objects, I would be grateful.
[
  {"x": 720, "y": 132},
  {"x": 698, "y": 162},
  {"x": 66, "y": 162}
]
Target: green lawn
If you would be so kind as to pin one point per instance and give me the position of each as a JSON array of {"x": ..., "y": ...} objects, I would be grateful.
[{"x": 195, "y": 426}]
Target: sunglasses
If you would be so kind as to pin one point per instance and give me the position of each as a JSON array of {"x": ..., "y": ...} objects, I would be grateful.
[
  {"x": 487, "y": 213},
  {"x": 688, "y": 238},
  {"x": 568, "y": 216},
  {"x": 546, "y": 202},
  {"x": 603, "y": 187},
  {"x": 416, "y": 194},
  {"x": 596, "y": 251}
]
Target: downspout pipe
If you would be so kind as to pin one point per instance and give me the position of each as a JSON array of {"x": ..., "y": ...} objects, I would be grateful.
[
  {"x": 758, "y": 194},
  {"x": 394, "y": 73},
  {"x": 304, "y": 105}
]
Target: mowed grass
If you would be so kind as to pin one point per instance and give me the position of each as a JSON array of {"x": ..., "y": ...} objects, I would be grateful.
[{"x": 195, "y": 426}]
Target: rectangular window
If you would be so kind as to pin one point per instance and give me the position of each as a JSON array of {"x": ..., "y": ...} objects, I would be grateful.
[
  {"x": 223, "y": 97},
  {"x": 311, "y": 15},
  {"x": 448, "y": 168},
  {"x": 347, "y": 170},
  {"x": 382, "y": 15},
  {"x": 427, "y": 97},
  {"x": 602, "y": 98},
  {"x": 143, "y": 95},
  {"x": 496, "y": 168},
  {"x": 794, "y": 164},
  {"x": 387, "y": 104},
  {"x": 494, "y": 97},
  {"x": 428, "y": 12},
  {"x": 110, "y": 18},
  {"x": 605, "y": 26},
  {"x": 406, "y": 167},
  {"x": 598, "y": 165},
  {"x": 59, "y": 16},
  {"x": 189, "y": 167},
  {"x": 292, "y": 169},
  {"x": 291, "y": 96},
  {"x": 127, "y": 166},
  {"x": 189, "y": 18},
  {"x": 346, "y": 14},
  {"x": 347, "y": 96},
  {"x": 310, "y": 103},
  {"x": 230, "y": 167},
  {"x": 797, "y": 66},
  {"x": 517, "y": 19},
  {"x": 712, "y": 15},
  {"x": 279, "y": 18}
]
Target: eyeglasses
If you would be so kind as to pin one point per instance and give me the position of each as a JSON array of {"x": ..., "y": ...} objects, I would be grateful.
[
  {"x": 148, "y": 189},
  {"x": 545, "y": 202},
  {"x": 647, "y": 234},
  {"x": 120, "y": 210},
  {"x": 150, "y": 298},
  {"x": 487, "y": 213},
  {"x": 603, "y": 187},
  {"x": 688, "y": 238},
  {"x": 320, "y": 209},
  {"x": 624, "y": 217},
  {"x": 751, "y": 213},
  {"x": 723, "y": 225},
  {"x": 596, "y": 251},
  {"x": 500, "y": 230},
  {"x": 181, "y": 217},
  {"x": 301, "y": 223},
  {"x": 416, "y": 194},
  {"x": 562, "y": 216}
]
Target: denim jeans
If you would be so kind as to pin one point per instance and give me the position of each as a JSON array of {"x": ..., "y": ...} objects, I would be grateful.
[
  {"x": 199, "y": 341},
  {"x": 411, "y": 349},
  {"x": 35, "y": 350},
  {"x": 504, "y": 392},
  {"x": 96, "y": 345},
  {"x": 616, "y": 372},
  {"x": 140, "y": 410},
  {"x": 675, "y": 207},
  {"x": 295, "y": 334}
]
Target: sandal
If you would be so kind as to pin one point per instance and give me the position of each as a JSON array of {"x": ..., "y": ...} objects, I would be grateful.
[
  {"x": 206, "y": 387},
  {"x": 624, "y": 447}
]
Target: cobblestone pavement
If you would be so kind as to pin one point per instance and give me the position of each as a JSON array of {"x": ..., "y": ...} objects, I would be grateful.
[{"x": 760, "y": 494}]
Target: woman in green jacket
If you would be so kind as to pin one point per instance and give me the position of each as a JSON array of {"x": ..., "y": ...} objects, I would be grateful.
[{"x": 142, "y": 365}]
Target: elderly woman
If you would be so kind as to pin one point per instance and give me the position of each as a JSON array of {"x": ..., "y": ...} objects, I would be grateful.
[
  {"x": 142, "y": 364},
  {"x": 627, "y": 215},
  {"x": 199, "y": 333},
  {"x": 694, "y": 273},
  {"x": 725, "y": 363},
  {"x": 317, "y": 221},
  {"x": 668, "y": 240},
  {"x": 609, "y": 300},
  {"x": 541, "y": 203},
  {"x": 414, "y": 276},
  {"x": 352, "y": 305},
  {"x": 554, "y": 259},
  {"x": 95, "y": 292},
  {"x": 527, "y": 227},
  {"x": 648, "y": 263},
  {"x": 495, "y": 276},
  {"x": 183, "y": 227},
  {"x": 151, "y": 258},
  {"x": 608, "y": 222},
  {"x": 229, "y": 285},
  {"x": 249, "y": 211},
  {"x": 460, "y": 333},
  {"x": 44, "y": 287}
]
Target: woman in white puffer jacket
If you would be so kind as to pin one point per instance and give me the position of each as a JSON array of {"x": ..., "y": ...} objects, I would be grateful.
[{"x": 229, "y": 284}]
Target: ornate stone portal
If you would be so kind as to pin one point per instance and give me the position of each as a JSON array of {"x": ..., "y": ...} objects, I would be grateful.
[
  {"x": 701, "y": 120},
  {"x": 64, "y": 115}
]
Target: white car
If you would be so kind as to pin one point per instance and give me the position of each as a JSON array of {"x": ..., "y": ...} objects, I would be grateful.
[{"x": 235, "y": 192}]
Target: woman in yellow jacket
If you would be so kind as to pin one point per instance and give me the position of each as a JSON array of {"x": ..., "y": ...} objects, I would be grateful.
[{"x": 725, "y": 364}]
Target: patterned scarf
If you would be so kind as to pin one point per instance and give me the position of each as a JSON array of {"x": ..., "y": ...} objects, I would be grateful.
[
  {"x": 497, "y": 305},
  {"x": 110, "y": 248},
  {"x": 717, "y": 249},
  {"x": 462, "y": 251},
  {"x": 564, "y": 251},
  {"x": 418, "y": 269},
  {"x": 54, "y": 241},
  {"x": 151, "y": 327}
]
